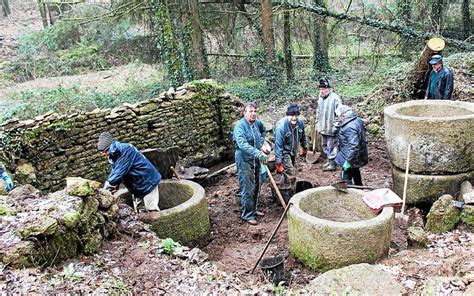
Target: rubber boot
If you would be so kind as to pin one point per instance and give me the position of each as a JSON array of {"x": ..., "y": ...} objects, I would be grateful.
[{"x": 330, "y": 167}]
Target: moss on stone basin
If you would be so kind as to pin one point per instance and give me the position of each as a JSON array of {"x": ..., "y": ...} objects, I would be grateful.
[
  {"x": 330, "y": 229},
  {"x": 439, "y": 131},
  {"x": 184, "y": 215}
]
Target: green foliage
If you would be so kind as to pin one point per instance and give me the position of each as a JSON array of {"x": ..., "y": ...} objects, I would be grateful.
[
  {"x": 359, "y": 89},
  {"x": 70, "y": 273},
  {"x": 280, "y": 289},
  {"x": 170, "y": 247}
]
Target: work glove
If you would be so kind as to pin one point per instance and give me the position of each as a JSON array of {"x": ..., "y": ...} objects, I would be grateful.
[
  {"x": 262, "y": 157},
  {"x": 279, "y": 167},
  {"x": 8, "y": 181},
  {"x": 346, "y": 165},
  {"x": 304, "y": 152},
  {"x": 110, "y": 187}
]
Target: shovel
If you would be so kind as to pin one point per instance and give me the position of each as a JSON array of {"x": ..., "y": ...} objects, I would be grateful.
[
  {"x": 342, "y": 186},
  {"x": 135, "y": 201},
  {"x": 282, "y": 201},
  {"x": 314, "y": 155},
  {"x": 403, "y": 219}
]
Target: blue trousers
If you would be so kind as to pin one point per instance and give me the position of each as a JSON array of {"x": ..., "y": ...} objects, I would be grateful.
[{"x": 249, "y": 181}]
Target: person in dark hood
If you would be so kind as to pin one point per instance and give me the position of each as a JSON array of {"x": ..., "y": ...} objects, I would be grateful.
[
  {"x": 132, "y": 168},
  {"x": 440, "y": 80},
  {"x": 352, "y": 145}
]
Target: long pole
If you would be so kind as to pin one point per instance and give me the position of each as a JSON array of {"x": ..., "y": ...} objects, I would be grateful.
[
  {"x": 271, "y": 237},
  {"x": 282, "y": 201}
]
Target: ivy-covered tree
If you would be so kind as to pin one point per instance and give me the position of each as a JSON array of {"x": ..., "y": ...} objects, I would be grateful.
[
  {"x": 320, "y": 43},
  {"x": 269, "y": 44}
]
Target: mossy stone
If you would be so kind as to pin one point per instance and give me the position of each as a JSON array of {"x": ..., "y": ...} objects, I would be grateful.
[
  {"x": 443, "y": 215},
  {"x": 42, "y": 226},
  {"x": 417, "y": 237},
  {"x": 467, "y": 216},
  {"x": 71, "y": 219}
]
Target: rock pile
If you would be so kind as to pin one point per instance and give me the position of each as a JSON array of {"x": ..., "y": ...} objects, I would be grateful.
[{"x": 45, "y": 230}]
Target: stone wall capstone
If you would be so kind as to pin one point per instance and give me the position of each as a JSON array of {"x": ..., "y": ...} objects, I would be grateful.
[{"x": 197, "y": 117}]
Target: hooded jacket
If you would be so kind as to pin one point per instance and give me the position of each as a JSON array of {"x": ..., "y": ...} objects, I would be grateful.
[
  {"x": 286, "y": 139},
  {"x": 132, "y": 168},
  {"x": 444, "y": 85},
  {"x": 352, "y": 142}
]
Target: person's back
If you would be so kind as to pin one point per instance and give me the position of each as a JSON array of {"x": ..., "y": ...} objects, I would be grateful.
[{"x": 137, "y": 172}]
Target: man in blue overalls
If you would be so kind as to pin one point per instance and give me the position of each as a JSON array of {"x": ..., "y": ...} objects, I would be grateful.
[{"x": 248, "y": 136}]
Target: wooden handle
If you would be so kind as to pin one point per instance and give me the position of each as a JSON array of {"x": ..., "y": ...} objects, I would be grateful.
[
  {"x": 282, "y": 201},
  {"x": 405, "y": 185},
  {"x": 271, "y": 237},
  {"x": 175, "y": 173}
]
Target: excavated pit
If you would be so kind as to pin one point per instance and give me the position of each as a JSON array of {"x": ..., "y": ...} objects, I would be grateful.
[
  {"x": 184, "y": 216},
  {"x": 329, "y": 229}
]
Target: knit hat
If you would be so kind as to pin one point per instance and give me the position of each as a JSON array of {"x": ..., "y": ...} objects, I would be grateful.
[
  {"x": 293, "y": 109},
  {"x": 324, "y": 83},
  {"x": 105, "y": 139},
  {"x": 436, "y": 59}
]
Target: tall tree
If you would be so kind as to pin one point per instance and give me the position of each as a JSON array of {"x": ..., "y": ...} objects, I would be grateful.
[
  {"x": 199, "y": 58},
  {"x": 168, "y": 43},
  {"x": 269, "y": 43},
  {"x": 287, "y": 44},
  {"x": 466, "y": 19},
  {"x": 5, "y": 8},
  {"x": 320, "y": 44},
  {"x": 437, "y": 15}
]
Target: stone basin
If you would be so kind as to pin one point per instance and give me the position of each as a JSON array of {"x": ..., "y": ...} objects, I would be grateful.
[
  {"x": 184, "y": 216},
  {"x": 441, "y": 134},
  {"x": 330, "y": 229}
]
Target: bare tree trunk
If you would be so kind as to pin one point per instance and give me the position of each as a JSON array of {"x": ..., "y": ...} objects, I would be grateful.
[
  {"x": 287, "y": 45},
  {"x": 168, "y": 44},
  {"x": 42, "y": 9},
  {"x": 320, "y": 45},
  {"x": 466, "y": 19},
  {"x": 199, "y": 57},
  {"x": 437, "y": 11},
  {"x": 269, "y": 43},
  {"x": 240, "y": 4},
  {"x": 6, "y": 8},
  {"x": 397, "y": 28}
]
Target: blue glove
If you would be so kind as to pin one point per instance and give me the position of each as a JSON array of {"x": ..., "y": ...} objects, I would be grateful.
[
  {"x": 346, "y": 165},
  {"x": 8, "y": 181}
]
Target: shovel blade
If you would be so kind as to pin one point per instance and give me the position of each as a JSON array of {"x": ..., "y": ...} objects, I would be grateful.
[
  {"x": 312, "y": 157},
  {"x": 341, "y": 186}
]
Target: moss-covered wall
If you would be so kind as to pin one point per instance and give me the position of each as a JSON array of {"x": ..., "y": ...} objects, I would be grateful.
[{"x": 197, "y": 118}]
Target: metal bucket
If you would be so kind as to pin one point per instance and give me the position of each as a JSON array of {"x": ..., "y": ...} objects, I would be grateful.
[{"x": 273, "y": 269}]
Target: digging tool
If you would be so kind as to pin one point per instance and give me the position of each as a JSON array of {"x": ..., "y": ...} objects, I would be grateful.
[
  {"x": 400, "y": 216},
  {"x": 135, "y": 201},
  {"x": 342, "y": 186},
  {"x": 271, "y": 237},
  {"x": 175, "y": 173},
  {"x": 282, "y": 201},
  {"x": 314, "y": 155}
]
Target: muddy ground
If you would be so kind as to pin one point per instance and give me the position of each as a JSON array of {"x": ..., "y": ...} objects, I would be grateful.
[{"x": 131, "y": 263}]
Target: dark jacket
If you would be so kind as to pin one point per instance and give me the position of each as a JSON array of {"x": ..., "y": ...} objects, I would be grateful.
[
  {"x": 133, "y": 169},
  {"x": 286, "y": 139},
  {"x": 444, "y": 86},
  {"x": 352, "y": 142}
]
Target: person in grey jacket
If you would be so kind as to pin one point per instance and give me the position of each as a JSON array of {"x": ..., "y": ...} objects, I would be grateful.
[
  {"x": 352, "y": 151},
  {"x": 440, "y": 80},
  {"x": 327, "y": 103}
]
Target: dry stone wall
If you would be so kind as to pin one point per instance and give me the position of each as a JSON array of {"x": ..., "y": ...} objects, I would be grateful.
[{"x": 197, "y": 118}]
